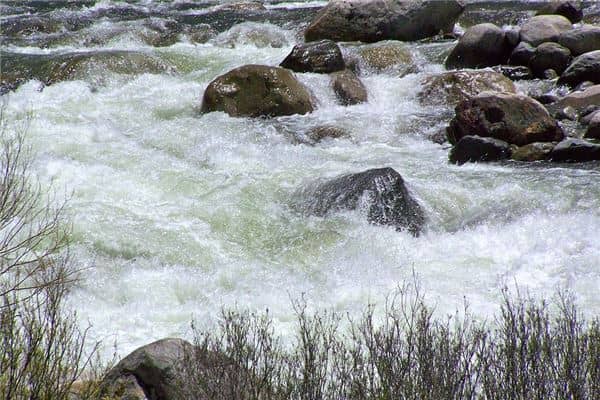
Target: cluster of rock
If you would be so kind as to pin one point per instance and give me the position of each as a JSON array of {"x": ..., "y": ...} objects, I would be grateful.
[{"x": 500, "y": 124}]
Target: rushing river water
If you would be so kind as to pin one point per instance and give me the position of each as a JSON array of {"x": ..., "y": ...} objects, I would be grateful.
[{"x": 177, "y": 214}]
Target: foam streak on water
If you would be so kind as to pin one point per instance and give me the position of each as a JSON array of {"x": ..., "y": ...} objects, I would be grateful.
[{"x": 177, "y": 214}]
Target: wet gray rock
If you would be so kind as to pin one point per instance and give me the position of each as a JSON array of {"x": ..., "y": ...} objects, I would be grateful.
[
  {"x": 477, "y": 148},
  {"x": 154, "y": 368},
  {"x": 544, "y": 28},
  {"x": 319, "y": 133},
  {"x": 537, "y": 151},
  {"x": 580, "y": 100},
  {"x": 593, "y": 128},
  {"x": 513, "y": 118},
  {"x": 387, "y": 56},
  {"x": 348, "y": 88},
  {"x": 585, "y": 67},
  {"x": 482, "y": 45},
  {"x": 581, "y": 40},
  {"x": 375, "y": 20},
  {"x": 381, "y": 193},
  {"x": 549, "y": 55},
  {"x": 323, "y": 56},
  {"x": 575, "y": 150},
  {"x": 455, "y": 86},
  {"x": 514, "y": 72},
  {"x": 569, "y": 9},
  {"x": 521, "y": 54},
  {"x": 257, "y": 91}
]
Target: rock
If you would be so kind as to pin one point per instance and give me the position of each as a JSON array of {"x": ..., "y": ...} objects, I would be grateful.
[
  {"x": 593, "y": 129},
  {"x": 323, "y": 56},
  {"x": 482, "y": 45},
  {"x": 374, "y": 20},
  {"x": 257, "y": 91},
  {"x": 544, "y": 28},
  {"x": 514, "y": 72},
  {"x": 580, "y": 100},
  {"x": 549, "y": 55},
  {"x": 546, "y": 98},
  {"x": 256, "y": 34},
  {"x": 585, "y": 117},
  {"x": 513, "y": 35},
  {"x": 153, "y": 366},
  {"x": 581, "y": 40},
  {"x": 567, "y": 8},
  {"x": 200, "y": 33},
  {"x": 245, "y": 6},
  {"x": 549, "y": 74},
  {"x": 348, "y": 88},
  {"x": 388, "y": 56},
  {"x": 513, "y": 118},
  {"x": 319, "y": 133},
  {"x": 125, "y": 387},
  {"x": 438, "y": 137},
  {"x": 585, "y": 67},
  {"x": 455, "y": 86},
  {"x": 537, "y": 151},
  {"x": 477, "y": 148},
  {"x": 380, "y": 192},
  {"x": 575, "y": 150},
  {"x": 568, "y": 113},
  {"x": 521, "y": 54}
]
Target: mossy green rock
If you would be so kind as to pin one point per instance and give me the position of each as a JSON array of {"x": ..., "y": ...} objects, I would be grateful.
[{"x": 257, "y": 91}]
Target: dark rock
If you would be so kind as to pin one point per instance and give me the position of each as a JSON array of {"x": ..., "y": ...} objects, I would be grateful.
[
  {"x": 593, "y": 129},
  {"x": 348, "y": 88},
  {"x": 323, "y": 56},
  {"x": 585, "y": 67},
  {"x": 567, "y": 8},
  {"x": 549, "y": 55},
  {"x": 521, "y": 54},
  {"x": 575, "y": 150},
  {"x": 513, "y": 118},
  {"x": 537, "y": 151},
  {"x": 374, "y": 20},
  {"x": 544, "y": 28},
  {"x": 581, "y": 100},
  {"x": 388, "y": 56},
  {"x": 568, "y": 113},
  {"x": 513, "y": 35},
  {"x": 257, "y": 91},
  {"x": 380, "y": 192},
  {"x": 514, "y": 72},
  {"x": 546, "y": 98},
  {"x": 455, "y": 86},
  {"x": 477, "y": 148},
  {"x": 549, "y": 74},
  {"x": 581, "y": 40},
  {"x": 125, "y": 387},
  {"x": 482, "y": 45},
  {"x": 154, "y": 368},
  {"x": 586, "y": 115}
]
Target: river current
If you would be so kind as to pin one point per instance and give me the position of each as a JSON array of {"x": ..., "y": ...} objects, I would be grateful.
[{"x": 177, "y": 214}]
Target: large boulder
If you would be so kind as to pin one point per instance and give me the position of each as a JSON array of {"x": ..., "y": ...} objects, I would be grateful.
[
  {"x": 482, "y": 45},
  {"x": 323, "y": 56},
  {"x": 257, "y": 91},
  {"x": 380, "y": 192},
  {"x": 544, "y": 28},
  {"x": 477, "y": 148},
  {"x": 521, "y": 54},
  {"x": 513, "y": 118},
  {"x": 455, "y": 86},
  {"x": 575, "y": 150},
  {"x": 375, "y": 20},
  {"x": 580, "y": 100},
  {"x": 567, "y": 8},
  {"x": 348, "y": 88},
  {"x": 547, "y": 56},
  {"x": 581, "y": 40},
  {"x": 586, "y": 67},
  {"x": 388, "y": 56},
  {"x": 154, "y": 367}
]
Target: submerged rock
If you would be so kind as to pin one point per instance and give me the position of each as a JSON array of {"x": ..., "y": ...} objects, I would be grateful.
[
  {"x": 575, "y": 150},
  {"x": 380, "y": 192},
  {"x": 476, "y": 148},
  {"x": 257, "y": 91},
  {"x": 482, "y": 45},
  {"x": 515, "y": 119},
  {"x": 153, "y": 366},
  {"x": 323, "y": 56},
  {"x": 585, "y": 67},
  {"x": 348, "y": 88},
  {"x": 456, "y": 86},
  {"x": 388, "y": 56},
  {"x": 544, "y": 28},
  {"x": 252, "y": 33},
  {"x": 375, "y": 20}
]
